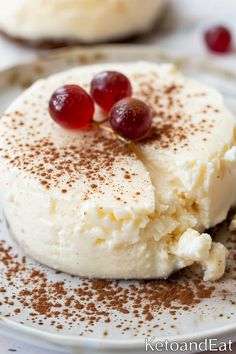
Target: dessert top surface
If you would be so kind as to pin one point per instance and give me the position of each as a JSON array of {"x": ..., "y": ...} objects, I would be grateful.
[
  {"x": 189, "y": 117},
  {"x": 190, "y": 122}
]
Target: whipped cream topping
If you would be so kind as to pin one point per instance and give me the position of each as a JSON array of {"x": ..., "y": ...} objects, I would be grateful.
[
  {"x": 88, "y": 204},
  {"x": 81, "y": 20}
]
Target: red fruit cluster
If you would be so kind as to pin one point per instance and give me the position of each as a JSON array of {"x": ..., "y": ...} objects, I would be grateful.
[{"x": 72, "y": 107}]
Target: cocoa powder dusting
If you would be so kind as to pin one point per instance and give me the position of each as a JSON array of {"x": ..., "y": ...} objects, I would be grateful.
[
  {"x": 66, "y": 302},
  {"x": 35, "y": 147},
  {"x": 28, "y": 286}
]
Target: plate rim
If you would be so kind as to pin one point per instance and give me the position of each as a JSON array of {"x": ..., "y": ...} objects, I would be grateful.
[
  {"x": 219, "y": 332},
  {"x": 150, "y": 50}
]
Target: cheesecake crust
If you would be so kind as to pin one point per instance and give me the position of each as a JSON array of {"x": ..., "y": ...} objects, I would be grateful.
[{"x": 49, "y": 43}]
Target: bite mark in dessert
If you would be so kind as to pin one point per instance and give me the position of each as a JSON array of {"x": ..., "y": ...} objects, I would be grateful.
[{"x": 101, "y": 209}]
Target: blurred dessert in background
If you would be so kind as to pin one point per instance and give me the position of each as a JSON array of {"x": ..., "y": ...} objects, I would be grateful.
[{"x": 50, "y": 23}]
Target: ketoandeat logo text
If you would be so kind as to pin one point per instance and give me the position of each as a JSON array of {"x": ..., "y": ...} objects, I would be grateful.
[{"x": 213, "y": 345}]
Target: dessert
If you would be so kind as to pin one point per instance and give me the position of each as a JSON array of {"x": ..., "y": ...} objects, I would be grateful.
[
  {"x": 87, "y": 203},
  {"x": 53, "y": 22}
]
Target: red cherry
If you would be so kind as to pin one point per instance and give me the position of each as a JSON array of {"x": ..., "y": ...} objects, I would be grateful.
[
  {"x": 108, "y": 87},
  {"x": 218, "y": 39},
  {"x": 131, "y": 118},
  {"x": 71, "y": 107}
]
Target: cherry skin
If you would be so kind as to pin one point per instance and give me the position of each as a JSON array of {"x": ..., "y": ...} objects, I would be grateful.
[
  {"x": 131, "y": 118},
  {"x": 218, "y": 39},
  {"x": 71, "y": 107},
  {"x": 108, "y": 87}
]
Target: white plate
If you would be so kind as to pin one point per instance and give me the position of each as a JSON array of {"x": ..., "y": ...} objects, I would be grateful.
[{"x": 212, "y": 317}]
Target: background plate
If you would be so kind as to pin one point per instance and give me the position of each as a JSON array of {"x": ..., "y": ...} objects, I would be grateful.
[{"x": 56, "y": 310}]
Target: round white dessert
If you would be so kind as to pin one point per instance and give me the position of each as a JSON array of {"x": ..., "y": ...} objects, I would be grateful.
[
  {"x": 87, "y": 21},
  {"x": 88, "y": 204}
]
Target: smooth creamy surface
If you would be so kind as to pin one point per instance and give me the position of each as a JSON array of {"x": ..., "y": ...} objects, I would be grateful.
[
  {"x": 83, "y": 20},
  {"x": 88, "y": 204}
]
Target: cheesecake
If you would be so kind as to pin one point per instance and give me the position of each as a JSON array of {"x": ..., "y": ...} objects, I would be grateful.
[
  {"x": 87, "y": 203},
  {"x": 55, "y": 22}
]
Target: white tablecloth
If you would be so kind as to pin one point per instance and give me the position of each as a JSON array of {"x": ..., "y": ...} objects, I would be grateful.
[{"x": 181, "y": 34}]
